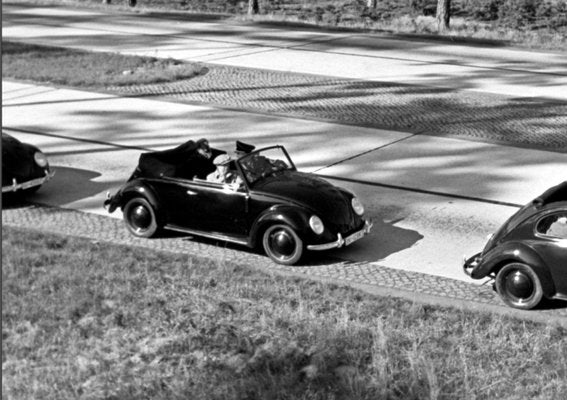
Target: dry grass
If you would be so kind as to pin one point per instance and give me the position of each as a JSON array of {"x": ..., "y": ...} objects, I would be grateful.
[
  {"x": 96, "y": 321},
  {"x": 72, "y": 67}
]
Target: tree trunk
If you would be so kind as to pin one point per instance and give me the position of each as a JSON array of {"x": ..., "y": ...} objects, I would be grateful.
[
  {"x": 132, "y": 3},
  {"x": 443, "y": 15},
  {"x": 371, "y": 4},
  {"x": 253, "y": 7},
  {"x": 105, "y": 1}
]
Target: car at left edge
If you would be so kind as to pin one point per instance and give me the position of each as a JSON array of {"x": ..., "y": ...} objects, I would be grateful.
[{"x": 25, "y": 167}]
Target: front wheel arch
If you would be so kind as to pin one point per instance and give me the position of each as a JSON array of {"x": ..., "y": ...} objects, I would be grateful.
[{"x": 296, "y": 218}]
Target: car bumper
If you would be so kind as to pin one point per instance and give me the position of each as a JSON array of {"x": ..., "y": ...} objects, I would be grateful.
[
  {"x": 15, "y": 186},
  {"x": 340, "y": 242},
  {"x": 471, "y": 263}
]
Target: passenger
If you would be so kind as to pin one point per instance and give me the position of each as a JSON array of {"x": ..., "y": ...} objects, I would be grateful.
[{"x": 223, "y": 174}]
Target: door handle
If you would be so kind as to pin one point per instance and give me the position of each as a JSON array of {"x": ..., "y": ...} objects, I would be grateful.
[{"x": 191, "y": 193}]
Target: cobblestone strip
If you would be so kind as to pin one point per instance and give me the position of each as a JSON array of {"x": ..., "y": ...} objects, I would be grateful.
[
  {"x": 111, "y": 230},
  {"x": 436, "y": 111}
]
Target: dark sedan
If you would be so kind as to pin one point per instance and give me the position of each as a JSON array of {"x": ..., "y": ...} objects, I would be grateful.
[
  {"x": 24, "y": 167},
  {"x": 527, "y": 256},
  {"x": 267, "y": 203}
]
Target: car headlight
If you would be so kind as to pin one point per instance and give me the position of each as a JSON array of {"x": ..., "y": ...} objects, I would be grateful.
[
  {"x": 40, "y": 159},
  {"x": 316, "y": 224},
  {"x": 357, "y": 206}
]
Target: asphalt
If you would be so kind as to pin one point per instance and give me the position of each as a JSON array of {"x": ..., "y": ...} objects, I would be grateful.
[{"x": 537, "y": 123}]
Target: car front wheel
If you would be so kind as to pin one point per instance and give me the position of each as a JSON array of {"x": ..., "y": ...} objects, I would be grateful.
[
  {"x": 282, "y": 244},
  {"x": 518, "y": 285},
  {"x": 140, "y": 218}
]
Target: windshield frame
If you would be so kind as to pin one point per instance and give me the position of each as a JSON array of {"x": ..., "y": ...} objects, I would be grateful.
[{"x": 243, "y": 169}]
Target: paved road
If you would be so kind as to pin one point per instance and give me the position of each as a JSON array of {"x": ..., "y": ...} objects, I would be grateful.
[{"x": 93, "y": 140}]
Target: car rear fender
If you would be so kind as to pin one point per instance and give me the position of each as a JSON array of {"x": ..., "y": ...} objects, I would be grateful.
[
  {"x": 295, "y": 217},
  {"x": 502, "y": 255},
  {"x": 138, "y": 188}
]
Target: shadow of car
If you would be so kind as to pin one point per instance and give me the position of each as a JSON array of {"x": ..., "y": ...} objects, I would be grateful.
[
  {"x": 267, "y": 204},
  {"x": 24, "y": 167},
  {"x": 527, "y": 256}
]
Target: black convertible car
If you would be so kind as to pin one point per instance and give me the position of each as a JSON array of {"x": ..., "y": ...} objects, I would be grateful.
[
  {"x": 24, "y": 167},
  {"x": 264, "y": 201},
  {"x": 527, "y": 256}
]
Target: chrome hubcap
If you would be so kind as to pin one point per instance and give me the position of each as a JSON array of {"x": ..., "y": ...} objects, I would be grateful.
[
  {"x": 519, "y": 285},
  {"x": 140, "y": 217},
  {"x": 282, "y": 243}
]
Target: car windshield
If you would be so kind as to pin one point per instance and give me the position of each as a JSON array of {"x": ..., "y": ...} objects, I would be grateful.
[{"x": 265, "y": 162}]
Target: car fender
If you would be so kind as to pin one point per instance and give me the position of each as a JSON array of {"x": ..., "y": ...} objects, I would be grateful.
[
  {"x": 296, "y": 217},
  {"x": 509, "y": 252},
  {"x": 138, "y": 188}
]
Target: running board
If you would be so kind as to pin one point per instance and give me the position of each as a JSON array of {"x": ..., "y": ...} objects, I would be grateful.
[{"x": 218, "y": 236}]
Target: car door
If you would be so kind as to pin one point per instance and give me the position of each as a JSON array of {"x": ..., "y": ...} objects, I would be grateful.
[
  {"x": 551, "y": 230},
  {"x": 180, "y": 201},
  {"x": 223, "y": 210}
]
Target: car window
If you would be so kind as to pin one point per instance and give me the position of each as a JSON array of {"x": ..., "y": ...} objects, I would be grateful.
[{"x": 553, "y": 225}]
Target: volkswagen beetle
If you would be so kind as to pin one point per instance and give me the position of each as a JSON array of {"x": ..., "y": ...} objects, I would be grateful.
[
  {"x": 24, "y": 167},
  {"x": 527, "y": 256},
  {"x": 271, "y": 204}
]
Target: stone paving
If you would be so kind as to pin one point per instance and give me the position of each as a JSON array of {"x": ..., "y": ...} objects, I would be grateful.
[
  {"x": 415, "y": 285},
  {"x": 534, "y": 123}
]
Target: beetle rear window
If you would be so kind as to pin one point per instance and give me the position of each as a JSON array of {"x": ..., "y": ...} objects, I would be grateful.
[{"x": 553, "y": 225}]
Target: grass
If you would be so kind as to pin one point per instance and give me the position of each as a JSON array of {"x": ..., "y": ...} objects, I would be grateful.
[
  {"x": 91, "y": 320},
  {"x": 72, "y": 67}
]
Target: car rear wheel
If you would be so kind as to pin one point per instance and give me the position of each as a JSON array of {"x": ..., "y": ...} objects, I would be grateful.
[
  {"x": 140, "y": 217},
  {"x": 518, "y": 285},
  {"x": 282, "y": 244}
]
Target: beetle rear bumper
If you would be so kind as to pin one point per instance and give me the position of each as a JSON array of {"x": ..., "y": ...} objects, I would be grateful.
[
  {"x": 340, "y": 242},
  {"x": 111, "y": 202},
  {"x": 15, "y": 186}
]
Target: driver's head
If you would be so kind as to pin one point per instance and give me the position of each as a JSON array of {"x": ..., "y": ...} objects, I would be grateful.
[{"x": 243, "y": 148}]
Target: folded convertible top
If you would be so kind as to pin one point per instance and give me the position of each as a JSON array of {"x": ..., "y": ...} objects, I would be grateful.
[
  {"x": 182, "y": 161},
  {"x": 552, "y": 195}
]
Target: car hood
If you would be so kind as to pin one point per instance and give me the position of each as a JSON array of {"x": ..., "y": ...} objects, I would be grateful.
[{"x": 327, "y": 201}]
